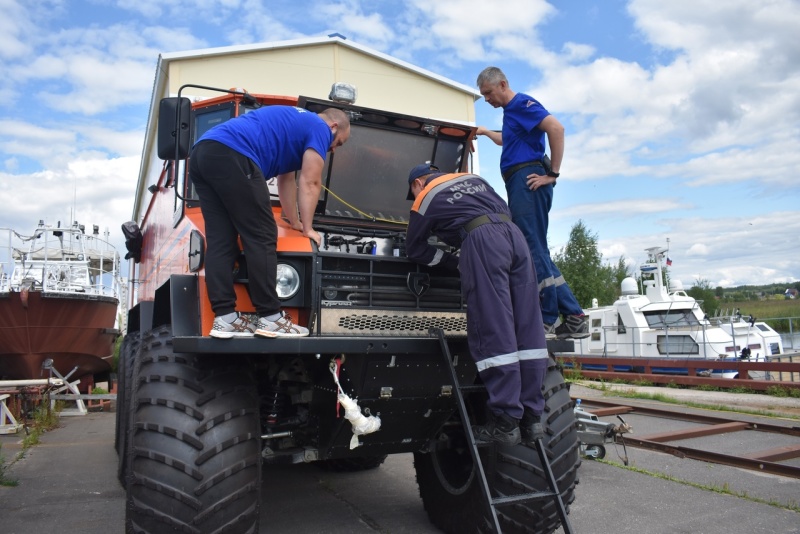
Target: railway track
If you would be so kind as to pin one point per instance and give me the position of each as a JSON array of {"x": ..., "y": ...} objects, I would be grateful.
[{"x": 770, "y": 448}]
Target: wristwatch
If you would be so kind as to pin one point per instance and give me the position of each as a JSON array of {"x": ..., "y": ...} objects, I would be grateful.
[{"x": 554, "y": 174}]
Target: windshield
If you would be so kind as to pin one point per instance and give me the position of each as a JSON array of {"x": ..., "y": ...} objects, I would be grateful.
[
  {"x": 670, "y": 318},
  {"x": 370, "y": 174},
  {"x": 366, "y": 179}
]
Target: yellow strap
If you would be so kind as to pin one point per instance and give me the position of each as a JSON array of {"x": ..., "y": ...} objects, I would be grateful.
[{"x": 367, "y": 215}]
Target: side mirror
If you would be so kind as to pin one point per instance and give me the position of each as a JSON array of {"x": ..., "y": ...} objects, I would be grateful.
[
  {"x": 171, "y": 134},
  {"x": 133, "y": 241}
]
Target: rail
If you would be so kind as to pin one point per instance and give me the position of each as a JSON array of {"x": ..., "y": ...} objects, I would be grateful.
[
  {"x": 763, "y": 461},
  {"x": 697, "y": 371}
]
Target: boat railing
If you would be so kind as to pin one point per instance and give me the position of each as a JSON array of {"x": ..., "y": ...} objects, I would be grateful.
[
  {"x": 92, "y": 269},
  {"x": 4, "y": 280}
]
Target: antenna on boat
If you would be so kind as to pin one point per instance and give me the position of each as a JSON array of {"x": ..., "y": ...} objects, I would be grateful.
[{"x": 666, "y": 270}]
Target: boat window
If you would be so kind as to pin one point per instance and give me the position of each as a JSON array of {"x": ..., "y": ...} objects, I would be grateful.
[
  {"x": 595, "y": 336},
  {"x": 674, "y": 345},
  {"x": 620, "y": 326},
  {"x": 596, "y": 323},
  {"x": 670, "y": 318},
  {"x": 774, "y": 348}
]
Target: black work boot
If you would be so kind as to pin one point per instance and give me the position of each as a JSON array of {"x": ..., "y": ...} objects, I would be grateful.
[
  {"x": 530, "y": 428},
  {"x": 499, "y": 428}
]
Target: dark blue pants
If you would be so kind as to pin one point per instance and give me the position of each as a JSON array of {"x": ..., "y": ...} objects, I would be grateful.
[
  {"x": 235, "y": 201},
  {"x": 504, "y": 320},
  {"x": 530, "y": 210}
]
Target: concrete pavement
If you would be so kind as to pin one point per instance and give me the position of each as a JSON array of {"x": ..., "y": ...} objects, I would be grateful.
[{"x": 68, "y": 484}]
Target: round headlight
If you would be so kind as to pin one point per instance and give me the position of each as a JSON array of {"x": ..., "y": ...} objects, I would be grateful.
[{"x": 288, "y": 281}]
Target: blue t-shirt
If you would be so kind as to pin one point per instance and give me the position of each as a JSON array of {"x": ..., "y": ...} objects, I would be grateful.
[
  {"x": 522, "y": 139},
  {"x": 274, "y": 137}
]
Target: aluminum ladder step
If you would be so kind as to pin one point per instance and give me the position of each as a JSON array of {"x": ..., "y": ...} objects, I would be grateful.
[{"x": 490, "y": 502}]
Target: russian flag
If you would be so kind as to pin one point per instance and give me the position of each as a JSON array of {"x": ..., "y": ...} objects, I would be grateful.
[{"x": 669, "y": 260}]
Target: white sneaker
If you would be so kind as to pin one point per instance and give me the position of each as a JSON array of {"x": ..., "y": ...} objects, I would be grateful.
[
  {"x": 283, "y": 327},
  {"x": 242, "y": 326},
  {"x": 549, "y": 331}
]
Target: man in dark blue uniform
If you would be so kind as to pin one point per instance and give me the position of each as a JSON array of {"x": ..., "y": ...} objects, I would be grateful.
[
  {"x": 530, "y": 191},
  {"x": 499, "y": 285}
]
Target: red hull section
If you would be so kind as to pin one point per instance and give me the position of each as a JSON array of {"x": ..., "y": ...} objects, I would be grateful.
[{"x": 72, "y": 330}]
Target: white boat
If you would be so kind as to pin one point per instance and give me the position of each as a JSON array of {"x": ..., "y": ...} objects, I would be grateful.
[
  {"x": 665, "y": 322},
  {"x": 59, "y": 293}
]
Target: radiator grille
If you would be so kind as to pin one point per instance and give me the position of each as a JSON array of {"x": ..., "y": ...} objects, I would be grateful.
[
  {"x": 363, "y": 295},
  {"x": 391, "y": 323}
]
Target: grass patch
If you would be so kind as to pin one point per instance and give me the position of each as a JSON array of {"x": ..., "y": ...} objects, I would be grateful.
[
  {"x": 570, "y": 368},
  {"x": 642, "y": 383},
  {"x": 778, "y": 391},
  {"x": 707, "y": 387},
  {"x": 724, "y": 489},
  {"x": 44, "y": 419},
  {"x": 4, "y": 479}
]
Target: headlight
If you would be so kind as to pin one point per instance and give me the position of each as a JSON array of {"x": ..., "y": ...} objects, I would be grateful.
[{"x": 288, "y": 281}]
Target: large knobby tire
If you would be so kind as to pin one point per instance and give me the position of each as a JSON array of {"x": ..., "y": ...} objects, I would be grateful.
[
  {"x": 127, "y": 358},
  {"x": 351, "y": 465},
  {"x": 450, "y": 486},
  {"x": 194, "y": 455}
]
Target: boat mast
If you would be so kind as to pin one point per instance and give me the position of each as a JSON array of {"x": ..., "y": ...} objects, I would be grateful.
[
  {"x": 666, "y": 271},
  {"x": 656, "y": 292}
]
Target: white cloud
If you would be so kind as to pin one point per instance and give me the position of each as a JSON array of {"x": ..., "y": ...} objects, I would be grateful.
[
  {"x": 59, "y": 144},
  {"x": 475, "y": 30},
  {"x": 626, "y": 208},
  {"x": 698, "y": 249},
  {"x": 724, "y": 251},
  {"x": 90, "y": 191},
  {"x": 14, "y": 25},
  {"x": 370, "y": 29}
]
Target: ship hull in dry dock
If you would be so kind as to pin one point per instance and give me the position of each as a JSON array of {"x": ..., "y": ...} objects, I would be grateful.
[{"x": 72, "y": 330}]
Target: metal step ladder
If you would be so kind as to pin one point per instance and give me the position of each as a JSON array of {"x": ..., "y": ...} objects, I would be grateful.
[{"x": 493, "y": 502}]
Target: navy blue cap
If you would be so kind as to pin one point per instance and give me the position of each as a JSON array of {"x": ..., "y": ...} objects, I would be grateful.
[{"x": 419, "y": 171}]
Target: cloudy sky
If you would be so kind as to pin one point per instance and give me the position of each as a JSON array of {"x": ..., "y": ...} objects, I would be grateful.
[{"x": 682, "y": 117}]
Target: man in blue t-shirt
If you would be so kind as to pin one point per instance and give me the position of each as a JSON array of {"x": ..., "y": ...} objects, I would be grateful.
[
  {"x": 530, "y": 191},
  {"x": 499, "y": 287},
  {"x": 229, "y": 166}
]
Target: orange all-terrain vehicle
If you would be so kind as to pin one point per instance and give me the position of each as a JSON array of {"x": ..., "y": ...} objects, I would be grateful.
[{"x": 198, "y": 416}]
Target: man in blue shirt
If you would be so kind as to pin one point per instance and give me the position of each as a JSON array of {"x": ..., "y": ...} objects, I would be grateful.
[
  {"x": 229, "y": 166},
  {"x": 499, "y": 286},
  {"x": 530, "y": 191}
]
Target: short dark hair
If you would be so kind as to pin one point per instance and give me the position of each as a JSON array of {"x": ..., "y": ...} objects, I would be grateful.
[{"x": 338, "y": 116}]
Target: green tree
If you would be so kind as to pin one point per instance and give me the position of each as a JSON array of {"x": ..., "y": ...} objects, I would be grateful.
[
  {"x": 581, "y": 264},
  {"x": 719, "y": 292},
  {"x": 702, "y": 291},
  {"x": 620, "y": 272}
]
